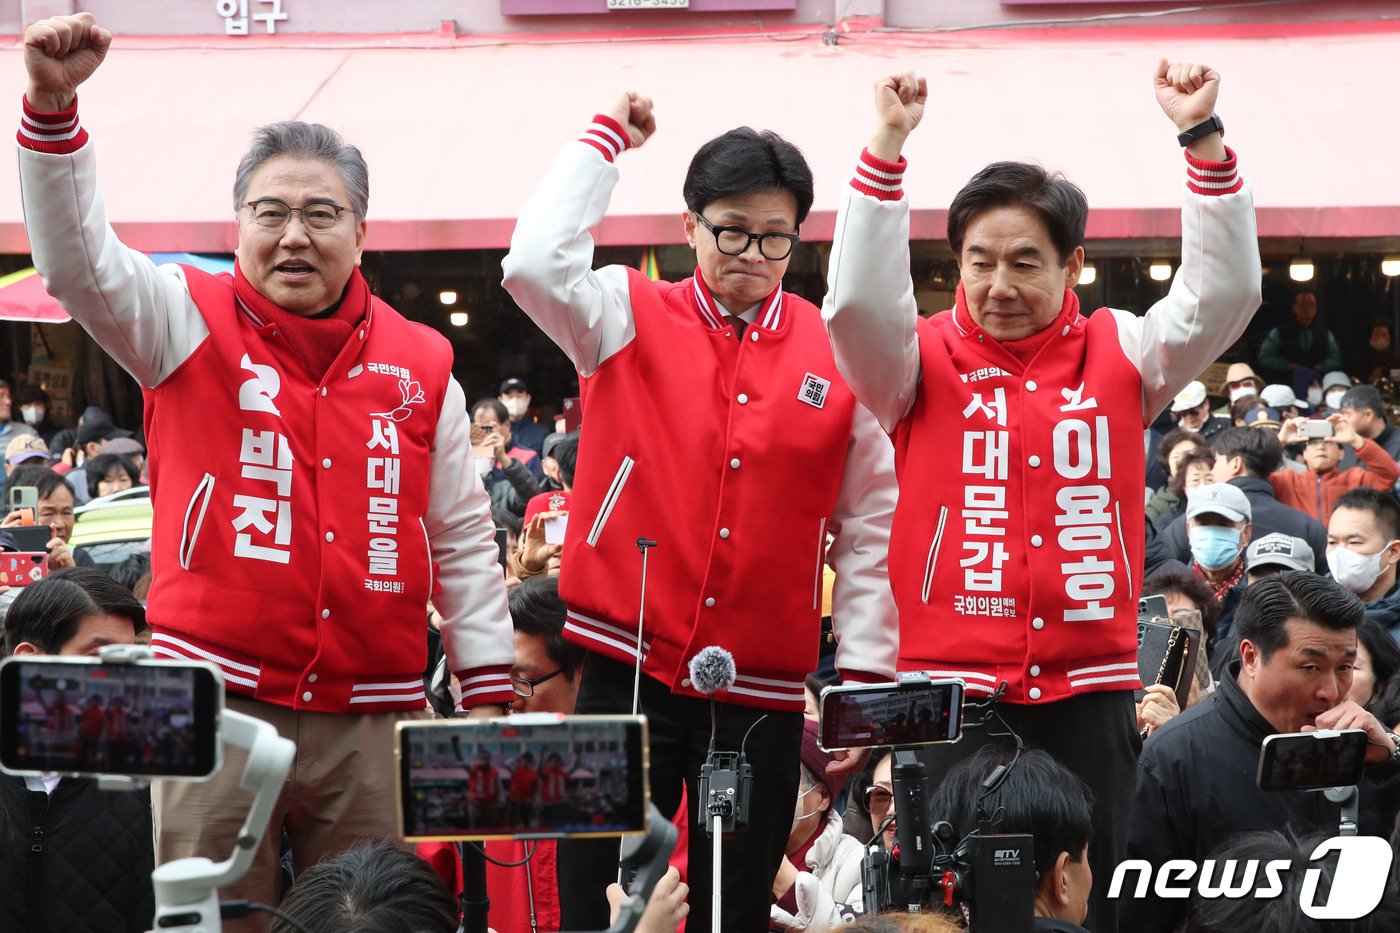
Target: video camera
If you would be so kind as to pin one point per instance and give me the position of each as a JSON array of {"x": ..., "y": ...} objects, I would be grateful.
[{"x": 989, "y": 875}]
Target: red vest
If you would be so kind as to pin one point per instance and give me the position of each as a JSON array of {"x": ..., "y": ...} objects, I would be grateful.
[
  {"x": 289, "y": 546},
  {"x": 1018, "y": 538},
  {"x": 729, "y": 453}
]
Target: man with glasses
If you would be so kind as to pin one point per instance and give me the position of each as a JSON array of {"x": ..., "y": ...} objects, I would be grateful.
[
  {"x": 307, "y": 448},
  {"x": 724, "y": 433}
]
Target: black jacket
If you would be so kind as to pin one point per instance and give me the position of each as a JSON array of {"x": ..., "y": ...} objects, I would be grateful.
[
  {"x": 1269, "y": 516},
  {"x": 1196, "y": 789},
  {"x": 75, "y": 860},
  {"x": 1386, "y": 611}
]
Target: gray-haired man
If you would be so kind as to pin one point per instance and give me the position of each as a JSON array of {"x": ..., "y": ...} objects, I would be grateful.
[{"x": 310, "y": 460}]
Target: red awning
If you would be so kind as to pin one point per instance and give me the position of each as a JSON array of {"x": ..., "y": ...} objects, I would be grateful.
[{"x": 458, "y": 131}]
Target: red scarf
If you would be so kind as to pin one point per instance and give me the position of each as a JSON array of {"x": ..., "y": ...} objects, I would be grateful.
[
  {"x": 1027, "y": 347},
  {"x": 315, "y": 341},
  {"x": 1218, "y": 590}
]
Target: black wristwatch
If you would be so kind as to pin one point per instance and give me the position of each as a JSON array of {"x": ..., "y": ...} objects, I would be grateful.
[{"x": 1213, "y": 125}]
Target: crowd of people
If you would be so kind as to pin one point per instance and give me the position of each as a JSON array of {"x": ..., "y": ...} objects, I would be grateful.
[{"x": 855, "y": 490}]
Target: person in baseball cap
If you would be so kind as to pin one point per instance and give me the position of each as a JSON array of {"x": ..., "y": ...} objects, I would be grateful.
[
  {"x": 1277, "y": 551},
  {"x": 1282, "y": 399},
  {"x": 526, "y": 431},
  {"x": 25, "y": 448},
  {"x": 1262, "y": 417},
  {"x": 1192, "y": 410},
  {"x": 1335, "y": 385},
  {"x": 1218, "y": 526},
  {"x": 821, "y": 868}
]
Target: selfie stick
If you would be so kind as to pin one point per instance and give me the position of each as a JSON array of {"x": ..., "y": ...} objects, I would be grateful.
[
  {"x": 187, "y": 895},
  {"x": 646, "y": 857}
]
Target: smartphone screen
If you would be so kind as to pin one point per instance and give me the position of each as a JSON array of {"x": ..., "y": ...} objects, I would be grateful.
[
  {"x": 492, "y": 778},
  {"x": 891, "y": 714},
  {"x": 81, "y": 716},
  {"x": 1312, "y": 760}
]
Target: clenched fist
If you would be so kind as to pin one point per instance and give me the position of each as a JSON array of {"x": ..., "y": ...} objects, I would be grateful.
[
  {"x": 899, "y": 106},
  {"x": 61, "y": 53},
  {"x": 1186, "y": 92},
  {"x": 633, "y": 111}
]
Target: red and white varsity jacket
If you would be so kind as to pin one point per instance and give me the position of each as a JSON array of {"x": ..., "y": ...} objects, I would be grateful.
[
  {"x": 298, "y": 524},
  {"x": 738, "y": 456},
  {"x": 1017, "y": 546}
]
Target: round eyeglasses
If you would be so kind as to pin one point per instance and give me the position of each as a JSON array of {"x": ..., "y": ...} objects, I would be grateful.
[
  {"x": 734, "y": 241},
  {"x": 272, "y": 214}
]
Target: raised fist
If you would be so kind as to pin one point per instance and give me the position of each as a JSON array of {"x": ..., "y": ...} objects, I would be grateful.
[
  {"x": 1186, "y": 92},
  {"x": 61, "y": 53},
  {"x": 633, "y": 111},
  {"x": 900, "y": 100}
]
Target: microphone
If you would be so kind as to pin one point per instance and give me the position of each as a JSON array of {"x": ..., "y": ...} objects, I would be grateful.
[{"x": 712, "y": 671}]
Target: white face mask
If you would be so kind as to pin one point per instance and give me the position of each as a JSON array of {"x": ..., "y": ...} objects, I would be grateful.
[
  {"x": 1244, "y": 391},
  {"x": 32, "y": 414},
  {"x": 1334, "y": 399},
  {"x": 1315, "y": 396},
  {"x": 517, "y": 407},
  {"x": 1356, "y": 572}
]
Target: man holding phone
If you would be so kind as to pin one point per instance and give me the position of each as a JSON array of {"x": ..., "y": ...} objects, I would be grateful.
[
  {"x": 1315, "y": 492},
  {"x": 311, "y": 467},
  {"x": 1196, "y": 777}
]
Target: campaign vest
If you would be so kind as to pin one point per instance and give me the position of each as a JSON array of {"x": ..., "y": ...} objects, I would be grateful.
[
  {"x": 289, "y": 544},
  {"x": 729, "y": 453},
  {"x": 1017, "y": 541}
]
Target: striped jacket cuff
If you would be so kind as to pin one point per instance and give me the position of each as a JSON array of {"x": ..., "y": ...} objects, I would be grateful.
[
  {"x": 849, "y": 676},
  {"x": 59, "y": 133},
  {"x": 1213, "y": 178},
  {"x": 878, "y": 178},
  {"x": 607, "y": 136},
  {"x": 485, "y": 686}
]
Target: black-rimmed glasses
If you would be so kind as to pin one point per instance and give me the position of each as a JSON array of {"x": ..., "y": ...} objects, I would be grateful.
[
  {"x": 526, "y": 688},
  {"x": 734, "y": 241},
  {"x": 272, "y": 214}
]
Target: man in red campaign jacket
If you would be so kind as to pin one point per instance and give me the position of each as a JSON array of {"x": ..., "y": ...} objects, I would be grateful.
[
  {"x": 1016, "y": 552},
  {"x": 310, "y": 467},
  {"x": 725, "y": 433}
]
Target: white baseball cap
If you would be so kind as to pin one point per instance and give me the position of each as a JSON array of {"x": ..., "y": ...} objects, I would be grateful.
[
  {"x": 1219, "y": 499},
  {"x": 1190, "y": 397}
]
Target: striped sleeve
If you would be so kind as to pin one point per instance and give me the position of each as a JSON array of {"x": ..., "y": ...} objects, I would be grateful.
[
  {"x": 607, "y": 136},
  {"x": 59, "y": 133},
  {"x": 483, "y": 686},
  {"x": 878, "y": 178},
  {"x": 1213, "y": 178}
]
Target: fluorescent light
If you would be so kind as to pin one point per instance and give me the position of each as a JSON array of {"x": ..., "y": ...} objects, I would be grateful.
[
  {"x": 447, "y": 297},
  {"x": 1088, "y": 275},
  {"x": 1390, "y": 267},
  {"x": 458, "y": 318},
  {"x": 1301, "y": 270},
  {"x": 1160, "y": 271}
]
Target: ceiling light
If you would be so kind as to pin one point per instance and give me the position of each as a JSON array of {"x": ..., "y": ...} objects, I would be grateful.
[
  {"x": 1390, "y": 266},
  {"x": 1301, "y": 270},
  {"x": 1160, "y": 271},
  {"x": 458, "y": 318},
  {"x": 447, "y": 297},
  {"x": 1088, "y": 275}
]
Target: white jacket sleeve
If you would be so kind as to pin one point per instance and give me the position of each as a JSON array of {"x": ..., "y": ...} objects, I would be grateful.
[
  {"x": 863, "y": 612},
  {"x": 1212, "y": 298},
  {"x": 476, "y": 626},
  {"x": 139, "y": 313},
  {"x": 549, "y": 269},
  {"x": 869, "y": 307}
]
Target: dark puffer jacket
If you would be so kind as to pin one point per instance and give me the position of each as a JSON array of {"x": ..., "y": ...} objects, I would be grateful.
[{"x": 77, "y": 860}]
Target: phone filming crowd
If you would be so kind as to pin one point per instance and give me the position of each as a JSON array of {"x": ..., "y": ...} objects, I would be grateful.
[{"x": 832, "y": 616}]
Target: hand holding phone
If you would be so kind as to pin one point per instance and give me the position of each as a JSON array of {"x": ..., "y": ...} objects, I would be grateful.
[{"x": 24, "y": 505}]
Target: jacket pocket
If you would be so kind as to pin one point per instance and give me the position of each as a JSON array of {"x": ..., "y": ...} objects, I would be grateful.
[
  {"x": 427, "y": 555},
  {"x": 932, "y": 560},
  {"x": 821, "y": 563},
  {"x": 610, "y": 500},
  {"x": 194, "y": 518}
]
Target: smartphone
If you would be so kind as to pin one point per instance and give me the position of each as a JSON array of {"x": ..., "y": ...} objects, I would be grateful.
[
  {"x": 1315, "y": 428},
  {"x": 1312, "y": 760},
  {"x": 81, "y": 716},
  {"x": 502, "y": 546},
  {"x": 25, "y": 499},
  {"x": 31, "y": 538},
  {"x": 1153, "y": 607},
  {"x": 21, "y": 568},
  {"x": 522, "y": 777},
  {"x": 572, "y": 414},
  {"x": 913, "y": 711},
  {"x": 554, "y": 529}
]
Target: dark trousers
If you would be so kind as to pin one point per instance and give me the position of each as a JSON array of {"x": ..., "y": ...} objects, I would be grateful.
[
  {"x": 679, "y": 732},
  {"x": 1095, "y": 736}
]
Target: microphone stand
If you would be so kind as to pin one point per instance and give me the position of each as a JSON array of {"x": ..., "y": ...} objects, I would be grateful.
[{"x": 644, "y": 545}]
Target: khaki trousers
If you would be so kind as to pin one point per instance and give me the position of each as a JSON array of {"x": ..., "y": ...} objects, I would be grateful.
[{"x": 340, "y": 792}]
